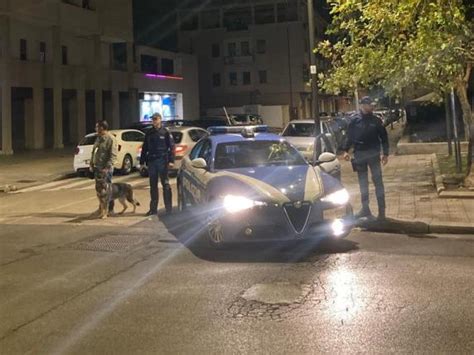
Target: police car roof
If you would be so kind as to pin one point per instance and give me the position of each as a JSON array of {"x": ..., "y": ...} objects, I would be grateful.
[{"x": 234, "y": 137}]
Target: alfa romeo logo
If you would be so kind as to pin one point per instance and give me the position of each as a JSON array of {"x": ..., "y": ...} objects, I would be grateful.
[{"x": 297, "y": 204}]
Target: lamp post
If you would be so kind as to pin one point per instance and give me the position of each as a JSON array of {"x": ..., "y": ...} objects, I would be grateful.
[{"x": 314, "y": 77}]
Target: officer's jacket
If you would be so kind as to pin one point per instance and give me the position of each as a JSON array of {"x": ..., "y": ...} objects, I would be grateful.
[
  {"x": 104, "y": 152},
  {"x": 366, "y": 133},
  {"x": 159, "y": 144}
]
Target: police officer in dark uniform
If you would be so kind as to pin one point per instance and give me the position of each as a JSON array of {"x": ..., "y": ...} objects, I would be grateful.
[
  {"x": 367, "y": 135},
  {"x": 158, "y": 154}
]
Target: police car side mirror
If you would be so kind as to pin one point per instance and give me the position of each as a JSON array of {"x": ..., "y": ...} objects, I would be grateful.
[
  {"x": 199, "y": 163},
  {"x": 326, "y": 157}
]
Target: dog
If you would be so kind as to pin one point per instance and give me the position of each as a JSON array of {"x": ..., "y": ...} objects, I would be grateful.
[{"x": 107, "y": 192}]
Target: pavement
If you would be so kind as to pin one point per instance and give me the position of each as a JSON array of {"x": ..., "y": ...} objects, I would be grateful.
[{"x": 29, "y": 168}]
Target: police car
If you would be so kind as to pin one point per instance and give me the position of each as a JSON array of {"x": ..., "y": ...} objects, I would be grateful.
[{"x": 252, "y": 185}]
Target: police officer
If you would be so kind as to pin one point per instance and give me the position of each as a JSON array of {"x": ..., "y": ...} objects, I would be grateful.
[
  {"x": 367, "y": 135},
  {"x": 158, "y": 154},
  {"x": 104, "y": 156}
]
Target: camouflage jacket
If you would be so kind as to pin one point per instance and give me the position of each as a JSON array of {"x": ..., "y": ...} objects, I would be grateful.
[{"x": 104, "y": 152}]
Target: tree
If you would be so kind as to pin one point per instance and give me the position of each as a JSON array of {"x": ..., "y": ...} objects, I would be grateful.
[{"x": 401, "y": 44}]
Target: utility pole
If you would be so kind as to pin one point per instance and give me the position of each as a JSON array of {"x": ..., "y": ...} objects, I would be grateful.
[{"x": 314, "y": 84}]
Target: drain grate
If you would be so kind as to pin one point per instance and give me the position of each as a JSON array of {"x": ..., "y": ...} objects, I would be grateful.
[{"x": 108, "y": 243}]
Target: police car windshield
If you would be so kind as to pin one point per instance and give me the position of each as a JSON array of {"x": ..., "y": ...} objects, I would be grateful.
[
  {"x": 248, "y": 154},
  {"x": 299, "y": 130}
]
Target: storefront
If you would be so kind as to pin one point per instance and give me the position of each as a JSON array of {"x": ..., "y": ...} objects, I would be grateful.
[{"x": 169, "y": 105}]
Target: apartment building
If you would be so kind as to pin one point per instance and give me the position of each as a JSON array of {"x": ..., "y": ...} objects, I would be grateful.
[
  {"x": 65, "y": 64},
  {"x": 254, "y": 52}
]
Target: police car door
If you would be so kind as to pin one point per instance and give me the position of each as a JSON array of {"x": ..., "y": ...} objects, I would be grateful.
[
  {"x": 193, "y": 183},
  {"x": 202, "y": 176}
]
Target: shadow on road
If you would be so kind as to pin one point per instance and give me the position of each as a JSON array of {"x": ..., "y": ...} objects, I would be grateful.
[{"x": 189, "y": 229}]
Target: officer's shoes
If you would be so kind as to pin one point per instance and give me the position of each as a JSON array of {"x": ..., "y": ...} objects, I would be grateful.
[
  {"x": 363, "y": 213},
  {"x": 151, "y": 213}
]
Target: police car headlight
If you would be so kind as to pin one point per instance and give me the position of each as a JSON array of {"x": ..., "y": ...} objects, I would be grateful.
[
  {"x": 340, "y": 197},
  {"x": 234, "y": 204}
]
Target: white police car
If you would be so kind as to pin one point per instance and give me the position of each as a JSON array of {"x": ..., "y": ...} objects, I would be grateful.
[{"x": 252, "y": 185}]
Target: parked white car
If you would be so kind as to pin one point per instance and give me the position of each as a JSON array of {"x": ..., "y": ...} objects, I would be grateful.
[
  {"x": 129, "y": 143},
  {"x": 185, "y": 138},
  {"x": 300, "y": 133}
]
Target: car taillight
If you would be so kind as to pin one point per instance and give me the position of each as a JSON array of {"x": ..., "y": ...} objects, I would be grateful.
[
  {"x": 180, "y": 149},
  {"x": 76, "y": 151}
]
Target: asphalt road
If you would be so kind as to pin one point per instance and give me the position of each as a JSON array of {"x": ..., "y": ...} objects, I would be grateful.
[{"x": 69, "y": 284}]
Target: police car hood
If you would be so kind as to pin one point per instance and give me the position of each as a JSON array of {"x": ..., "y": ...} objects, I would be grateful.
[{"x": 275, "y": 183}]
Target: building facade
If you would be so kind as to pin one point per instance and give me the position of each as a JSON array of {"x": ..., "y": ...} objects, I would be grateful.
[
  {"x": 252, "y": 53},
  {"x": 65, "y": 64}
]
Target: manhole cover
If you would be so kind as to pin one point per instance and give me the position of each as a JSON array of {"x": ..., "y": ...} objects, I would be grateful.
[
  {"x": 26, "y": 181},
  {"x": 108, "y": 243}
]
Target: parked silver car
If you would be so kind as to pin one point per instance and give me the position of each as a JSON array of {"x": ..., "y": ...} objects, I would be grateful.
[
  {"x": 300, "y": 133},
  {"x": 185, "y": 138}
]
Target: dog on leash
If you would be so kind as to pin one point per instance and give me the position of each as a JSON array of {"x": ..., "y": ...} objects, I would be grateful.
[{"x": 107, "y": 192}]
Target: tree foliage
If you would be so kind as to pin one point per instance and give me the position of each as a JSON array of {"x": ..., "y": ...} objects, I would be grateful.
[
  {"x": 402, "y": 44},
  {"x": 397, "y": 44}
]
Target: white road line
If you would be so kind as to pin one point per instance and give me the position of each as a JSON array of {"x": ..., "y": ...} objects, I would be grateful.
[
  {"x": 68, "y": 186},
  {"x": 40, "y": 187}
]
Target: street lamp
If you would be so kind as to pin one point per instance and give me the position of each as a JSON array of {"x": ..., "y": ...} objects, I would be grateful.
[{"x": 314, "y": 79}]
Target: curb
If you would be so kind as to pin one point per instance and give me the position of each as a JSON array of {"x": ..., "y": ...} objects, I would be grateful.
[
  {"x": 57, "y": 177},
  {"x": 417, "y": 227}
]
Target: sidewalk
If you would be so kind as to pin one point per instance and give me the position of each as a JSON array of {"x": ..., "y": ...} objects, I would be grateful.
[
  {"x": 411, "y": 197},
  {"x": 30, "y": 168}
]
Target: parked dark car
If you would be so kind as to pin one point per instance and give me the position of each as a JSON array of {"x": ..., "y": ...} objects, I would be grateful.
[{"x": 247, "y": 119}]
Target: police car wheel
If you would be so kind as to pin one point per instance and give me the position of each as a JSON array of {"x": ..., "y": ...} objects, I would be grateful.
[{"x": 215, "y": 233}]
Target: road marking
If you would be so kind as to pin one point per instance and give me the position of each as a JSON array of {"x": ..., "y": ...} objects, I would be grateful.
[{"x": 39, "y": 187}]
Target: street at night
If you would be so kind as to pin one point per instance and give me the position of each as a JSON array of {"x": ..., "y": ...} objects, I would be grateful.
[
  {"x": 133, "y": 285},
  {"x": 236, "y": 177}
]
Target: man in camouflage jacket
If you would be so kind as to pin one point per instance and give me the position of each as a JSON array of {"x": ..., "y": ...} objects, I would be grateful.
[{"x": 104, "y": 156}]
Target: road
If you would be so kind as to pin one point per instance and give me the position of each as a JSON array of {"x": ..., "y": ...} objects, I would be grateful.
[{"x": 69, "y": 284}]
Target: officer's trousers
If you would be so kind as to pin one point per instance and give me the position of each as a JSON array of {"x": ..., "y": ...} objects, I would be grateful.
[
  {"x": 364, "y": 161},
  {"x": 158, "y": 169}
]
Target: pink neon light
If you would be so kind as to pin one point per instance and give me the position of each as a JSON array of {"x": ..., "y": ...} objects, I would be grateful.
[{"x": 161, "y": 76}]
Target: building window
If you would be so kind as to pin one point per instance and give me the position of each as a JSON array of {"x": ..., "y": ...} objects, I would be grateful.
[
  {"x": 64, "y": 55},
  {"x": 216, "y": 50},
  {"x": 264, "y": 14},
  {"x": 287, "y": 12},
  {"x": 210, "y": 19},
  {"x": 245, "y": 48},
  {"x": 42, "y": 52},
  {"x": 216, "y": 80},
  {"x": 233, "y": 79},
  {"x": 261, "y": 46},
  {"x": 167, "y": 66},
  {"x": 119, "y": 56},
  {"x": 262, "y": 76},
  {"x": 149, "y": 64},
  {"x": 232, "y": 49},
  {"x": 246, "y": 78},
  {"x": 237, "y": 19},
  {"x": 23, "y": 50}
]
